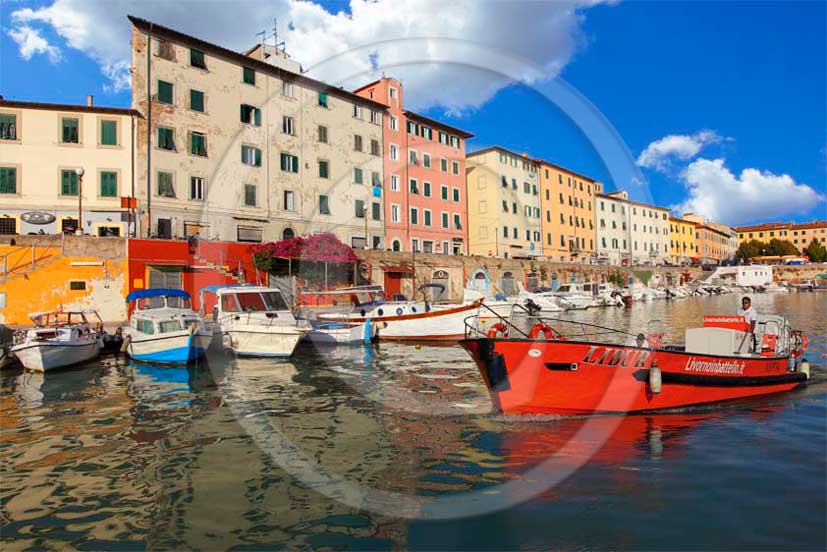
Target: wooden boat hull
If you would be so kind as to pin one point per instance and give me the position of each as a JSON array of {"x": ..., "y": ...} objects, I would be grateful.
[{"x": 526, "y": 376}]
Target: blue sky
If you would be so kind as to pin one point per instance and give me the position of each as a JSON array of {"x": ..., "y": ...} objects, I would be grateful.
[{"x": 735, "y": 91}]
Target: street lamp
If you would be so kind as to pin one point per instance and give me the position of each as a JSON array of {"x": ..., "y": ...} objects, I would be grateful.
[{"x": 80, "y": 172}]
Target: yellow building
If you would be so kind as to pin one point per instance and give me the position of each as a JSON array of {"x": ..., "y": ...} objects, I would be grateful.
[
  {"x": 713, "y": 243},
  {"x": 567, "y": 204},
  {"x": 503, "y": 204},
  {"x": 57, "y": 160},
  {"x": 800, "y": 235},
  {"x": 682, "y": 243}
]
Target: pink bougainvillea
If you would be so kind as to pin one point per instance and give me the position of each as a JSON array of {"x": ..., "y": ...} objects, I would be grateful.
[{"x": 316, "y": 248}]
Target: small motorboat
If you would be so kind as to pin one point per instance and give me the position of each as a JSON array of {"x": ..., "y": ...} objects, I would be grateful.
[
  {"x": 544, "y": 371},
  {"x": 341, "y": 333},
  {"x": 255, "y": 320},
  {"x": 58, "y": 340},
  {"x": 163, "y": 328}
]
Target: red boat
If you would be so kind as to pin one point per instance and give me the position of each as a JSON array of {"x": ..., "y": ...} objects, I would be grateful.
[{"x": 546, "y": 372}]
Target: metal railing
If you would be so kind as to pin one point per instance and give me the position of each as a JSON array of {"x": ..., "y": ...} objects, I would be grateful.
[{"x": 25, "y": 257}]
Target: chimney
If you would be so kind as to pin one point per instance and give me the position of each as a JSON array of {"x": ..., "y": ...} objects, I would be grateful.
[{"x": 89, "y": 98}]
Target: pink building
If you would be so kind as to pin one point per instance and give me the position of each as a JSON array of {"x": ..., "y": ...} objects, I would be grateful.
[{"x": 424, "y": 189}]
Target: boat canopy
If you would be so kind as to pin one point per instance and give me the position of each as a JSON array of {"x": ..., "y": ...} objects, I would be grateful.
[{"x": 156, "y": 292}]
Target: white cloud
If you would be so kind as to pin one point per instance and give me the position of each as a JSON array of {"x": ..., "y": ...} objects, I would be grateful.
[
  {"x": 452, "y": 54},
  {"x": 718, "y": 194},
  {"x": 31, "y": 42},
  {"x": 659, "y": 154}
]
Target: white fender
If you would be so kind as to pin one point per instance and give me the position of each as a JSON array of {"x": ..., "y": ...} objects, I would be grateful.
[
  {"x": 655, "y": 383},
  {"x": 804, "y": 368}
]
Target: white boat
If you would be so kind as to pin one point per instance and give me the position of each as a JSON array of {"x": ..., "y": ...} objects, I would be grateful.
[
  {"x": 404, "y": 320},
  {"x": 58, "y": 340},
  {"x": 492, "y": 306},
  {"x": 163, "y": 327},
  {"x": 341, "y": 333},
  {"x": 255, "y": 321}
]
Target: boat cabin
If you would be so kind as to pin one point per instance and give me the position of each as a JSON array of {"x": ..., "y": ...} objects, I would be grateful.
[
  {"x": 729, "y": 335},
  {"x": 161, "y": 311}
]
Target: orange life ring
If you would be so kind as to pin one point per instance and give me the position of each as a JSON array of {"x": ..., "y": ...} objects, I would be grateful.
[
  {"x": 654, "y": 340},
  {"x": 546, "y": 330},
  {"x": 498, "y": 328}
]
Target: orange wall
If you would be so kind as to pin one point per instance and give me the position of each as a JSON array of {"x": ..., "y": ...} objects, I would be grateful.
[{"x": 577, "y": 210}]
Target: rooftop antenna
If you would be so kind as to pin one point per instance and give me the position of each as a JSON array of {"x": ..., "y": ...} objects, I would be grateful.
[
  {"x": 279, "y": 45},
  {"x": 263, "y": 39}
]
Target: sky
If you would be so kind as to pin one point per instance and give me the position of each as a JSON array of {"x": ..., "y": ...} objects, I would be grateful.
[{"x": 717, "y": 108}]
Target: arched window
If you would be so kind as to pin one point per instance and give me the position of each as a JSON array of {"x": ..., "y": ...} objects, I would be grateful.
[
  {"x": 396, "y": 245},
  {"x": 288, "y": 234},
  {"x": 507, "y": 284}
]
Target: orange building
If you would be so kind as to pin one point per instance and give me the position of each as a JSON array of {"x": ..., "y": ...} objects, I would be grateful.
[
  {"x": 567, "y": 204},
  {"x": 800, "y": 235},
  {"x": 424, "y": 188}
]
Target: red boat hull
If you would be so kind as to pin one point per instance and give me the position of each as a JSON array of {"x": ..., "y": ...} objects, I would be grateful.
[{"x": 526, "y": 376}]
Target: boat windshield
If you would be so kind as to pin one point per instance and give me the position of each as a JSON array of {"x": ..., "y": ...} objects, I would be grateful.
[
  {"x": 253, "y": 301},
  {"x": 58, "y": 319},
  {"x": 158, "y": 302}
]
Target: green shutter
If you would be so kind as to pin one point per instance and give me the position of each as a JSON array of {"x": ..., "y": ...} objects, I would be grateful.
[
  {"x": 357, "y": 175},
  {"x": 197, "y": 100},
  {"x": 295, "y": 163},
  {"x": 109, "y": 184},
  {"x": 249, "y": 76},
  {"x": 69, "y": 183},
  {"x": 323, "y": 169},
  {"x": 323, "y": 99},
  {"x": 197, "y": 59},
  {"x": 258, "y": 157},
  {"x": 109, "y": 133},
  {"x": 8, "y": 127},
  {"x": 70, "y": 131},
  {"x": 165, "y": 140},
  {"x": 164, "y": 92},
  {"x": 256, "y": 116},
  {"x": 198, "y": 144},
  {"x": 8, "y": 180}
]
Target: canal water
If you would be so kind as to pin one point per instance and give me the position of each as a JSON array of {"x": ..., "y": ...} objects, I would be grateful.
[{"x": 394, "y": 447}]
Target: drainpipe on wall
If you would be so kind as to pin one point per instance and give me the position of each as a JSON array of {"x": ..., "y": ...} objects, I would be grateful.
[{"x": 149, "y": 132}]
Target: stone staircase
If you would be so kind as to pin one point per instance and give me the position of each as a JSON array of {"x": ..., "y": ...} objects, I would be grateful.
[
  {"x": 16, "y": 262},
  {"x": 224, "y": 270}
]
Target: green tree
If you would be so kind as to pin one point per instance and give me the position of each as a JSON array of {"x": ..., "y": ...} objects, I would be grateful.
[
  {"x": 781, "y": 247},
  {"x": 749, "y": 249},
  {"x": 816, "y": 251}
]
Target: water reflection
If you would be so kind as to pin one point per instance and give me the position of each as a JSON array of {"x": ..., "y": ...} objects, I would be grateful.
[{"x": 117, "y": 453}]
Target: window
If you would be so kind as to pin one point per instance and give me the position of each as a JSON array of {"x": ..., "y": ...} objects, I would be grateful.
[
  {"x": 455, "y": 167},
  {"x": 322, "y": 99},
  {"x": 445, "y": 220},
  {"x": 289, "y": 163},
  {"x": 375, "y": 179},
  {"x": 392, "y": 92},
  {"x": 250, "y": 115},
  {"x": 426, "y": 189},
  {"x": 394, "y": 182},
  {"x": 166, "y": 138},
  {"x": 165, "y": 92},
  {"x": 78, "y": 285},
  {"x": 514, "y": 208},
  {"x": 427, "y": 217},
  {"x": 287, "y": 125},
  {"x": 505, "y": 206},
  {"x": 250, "y": 195},
  {"x": 322, "y": 134},
  {"x": 395, "y": 211},
  {"x": 443, "y": 164},
  {"x": 248, "y": 76},
  {"x": 426, "y": 160},
  {"x": 324, "y": 168},
  {"x": 414, "y": 215},
  {"x": 324, "y": 205},
  {"x": 394, "y": 152},
  {"x": 426, "y": 133},
  {"x": 69, "y": 130},
  {"x": 415, "y": 245},
  {"x": 68, "y": 183},
  {"x": 197, "y": 101},
  {"x": 393, "y": 123},
  {"x": 513, "y": 183},
  {"x": 357, "y": 111},
  {"x": 411, "y": 127},
  {"x": 165, "y": 184},
  {"x": 505, "y": 231},
  {"x": 165, "y": 50},
  {"x": 198, "y": 144},
  {"x": 287, "y": 89},
  {"x": 360, "y": 208},
  {"x": 457, "y": 222},
  {"x": 197, "y": 59},
  {"x": 357, "y": 175},
  {"x": 109, "y": 133},
  {"x": 247, "y": 234},
  {"x": 375, "y": 117},
  {"x": 528, "y": 235},
  {"x": 357, "y": 142},
  {"x": 412, "y": 157},
  {"x": 376, "y": 211},
  {"x": 456, "y": 195},
  {"x": 289, "y": 201},
  {"x": 108, "y": 184},
  {"x": 196, "y": 188},
  {"x": 251, "y": 156},
  {"x": 8, "y": 126},
  {"x": 8, "y": 180},
  {"x": 414, "y": 186},
  {"x": 504, "y": 181},
  {"x": 374, "y": 148}
]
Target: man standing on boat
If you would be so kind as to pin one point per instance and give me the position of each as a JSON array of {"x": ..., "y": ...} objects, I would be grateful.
[{"x": 749, "y": 314}]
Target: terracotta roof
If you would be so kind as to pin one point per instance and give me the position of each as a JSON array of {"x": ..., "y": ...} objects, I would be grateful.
[
  {"x": 69, "y": 107},
  {"x": 523, "y": 156},
  {"x": 241, "y": 59},
  {"x": 763, "y": 227},
  {"x": 434, "y": 122},
  {"x": 809, "y": 225},
  {"x": 561, "y": 168},
  {"x": 631, "y": 201}
]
